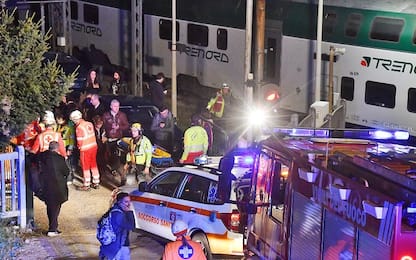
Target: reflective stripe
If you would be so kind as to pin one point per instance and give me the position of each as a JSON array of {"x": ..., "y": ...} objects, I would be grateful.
[{"x": 85, "y": 136}]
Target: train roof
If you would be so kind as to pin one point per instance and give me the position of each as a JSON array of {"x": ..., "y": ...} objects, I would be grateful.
[{"x": 401, "y": 6}]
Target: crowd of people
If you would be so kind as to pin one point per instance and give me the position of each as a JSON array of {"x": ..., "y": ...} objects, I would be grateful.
[{"x": 81, "y": 136}]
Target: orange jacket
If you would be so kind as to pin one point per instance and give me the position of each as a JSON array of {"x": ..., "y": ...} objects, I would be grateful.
[
  {"x": 43, "y": 139},
  {"x": 177, "y": 250},
  {"x": 85, "y": 135}
]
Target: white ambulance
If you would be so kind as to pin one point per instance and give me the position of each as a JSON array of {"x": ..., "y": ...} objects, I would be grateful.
[{"x": 200, "y": 196}]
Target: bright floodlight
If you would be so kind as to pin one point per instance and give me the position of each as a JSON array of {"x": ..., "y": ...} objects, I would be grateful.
[{"x": 256, "y": 117}]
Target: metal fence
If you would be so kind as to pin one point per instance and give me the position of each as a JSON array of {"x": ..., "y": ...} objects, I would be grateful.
[{"x": 13, "y": 186}]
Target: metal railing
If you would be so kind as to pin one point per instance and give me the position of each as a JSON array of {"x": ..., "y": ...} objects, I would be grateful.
[{"x": 13, "y": 186}]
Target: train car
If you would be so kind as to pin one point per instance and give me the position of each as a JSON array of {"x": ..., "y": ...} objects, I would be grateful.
[
  {"x": 375, "y": 75},
  {"x": 331, "y": 198},
  {"x": 210, "y": 37}
]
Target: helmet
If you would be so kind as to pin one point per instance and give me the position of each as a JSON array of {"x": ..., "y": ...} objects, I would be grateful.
[
  {"x": 75, "y": 115},
  {"x": 137, "y": 126},
  {"x": 48, "y": 118},
  {"x": 179, "y": 227}
]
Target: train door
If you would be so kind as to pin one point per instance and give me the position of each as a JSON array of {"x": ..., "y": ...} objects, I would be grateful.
[
  {"x": 266, "y": 232},
  {"x": 272, "y": 42}
]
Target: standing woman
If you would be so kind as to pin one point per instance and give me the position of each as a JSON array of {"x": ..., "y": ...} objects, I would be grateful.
[{"x": 93, "y": 85}]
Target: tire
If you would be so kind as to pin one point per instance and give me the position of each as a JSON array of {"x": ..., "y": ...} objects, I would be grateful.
[{"x": 202, "y": 239}]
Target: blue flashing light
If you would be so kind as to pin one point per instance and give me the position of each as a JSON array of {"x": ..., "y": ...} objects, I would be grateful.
[
  {"x": 303, "y": 132},
  {"x": 243, "y": 160},
  {"x": 378, "y": 134}
]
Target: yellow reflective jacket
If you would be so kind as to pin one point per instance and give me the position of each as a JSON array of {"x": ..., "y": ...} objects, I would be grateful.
[
  {"x": 195, "y": 139},
  {"x": 140, "y": 152}
]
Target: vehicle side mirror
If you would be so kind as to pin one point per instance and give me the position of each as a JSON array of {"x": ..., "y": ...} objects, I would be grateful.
[
  {"x": 143, "y": 186},
  {"x": 247, "y": 208}
]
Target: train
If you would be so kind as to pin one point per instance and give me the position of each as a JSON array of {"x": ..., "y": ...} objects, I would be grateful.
[{"x": 375, "y": 76}]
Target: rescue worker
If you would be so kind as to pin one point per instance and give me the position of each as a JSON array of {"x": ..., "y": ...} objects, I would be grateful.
[
  {"x": 216, "y": 104},
  {"x": 67, "y": 132},
  {"x": 43, "y": 139},
  {"x": 195, "y": 141},
  {"x": 139, "y": 157},
  {"x": 183, "y": 247},
  {"x": 87, "y": 145}
]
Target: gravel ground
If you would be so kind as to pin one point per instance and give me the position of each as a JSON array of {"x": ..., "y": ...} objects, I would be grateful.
[{"x": 77, "y": 222}]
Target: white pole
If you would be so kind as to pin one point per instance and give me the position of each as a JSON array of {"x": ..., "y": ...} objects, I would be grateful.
[
  {"x": 319, "y": 51},
  {"x": 247, "y": 60},
  {"x": 174, "y": 89}
]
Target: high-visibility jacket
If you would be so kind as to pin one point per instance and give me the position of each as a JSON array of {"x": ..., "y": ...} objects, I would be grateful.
[
  {"x": 195, "y": 140},
  {"x": 43, "y": 139},
  {"x": 68, "y": 135},
  {"x": 180, "y": 250},
  {"x": 85, "y": 135},
  {"x": 216, "y": 105},
  {"x": 140, "y": 152}
]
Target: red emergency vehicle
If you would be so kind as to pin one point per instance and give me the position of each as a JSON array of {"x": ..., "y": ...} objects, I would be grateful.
[{"x": 332, "y": 198}]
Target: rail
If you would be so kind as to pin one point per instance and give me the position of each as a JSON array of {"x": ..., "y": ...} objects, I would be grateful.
[{"x": 13, "y": 186}]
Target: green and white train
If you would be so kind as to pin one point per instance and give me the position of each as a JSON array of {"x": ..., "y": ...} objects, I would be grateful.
[{"x": 376, "y": 75}]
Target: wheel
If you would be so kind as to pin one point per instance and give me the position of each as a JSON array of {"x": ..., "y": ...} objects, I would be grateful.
[{"x": 202, "y": 239}]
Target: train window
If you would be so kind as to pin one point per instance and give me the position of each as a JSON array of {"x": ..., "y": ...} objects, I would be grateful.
[
  {"x": 330, "y": 21},
  {"x": 411, "y": 100},
  {"x": 386, "y": 29},
  {"x": 165, "y": 30},
  {"x": 380, "y": 94},
  {"x": 347, "y": 88},
  {"x": 74, "y": 10},
  {"x": 91, "y": 14},
  {"x": 414, "y": 37},
  {"x": 222, "y": 39},
  {"x": 353, "y": 25},
  {"x": 198, "y": 35}
]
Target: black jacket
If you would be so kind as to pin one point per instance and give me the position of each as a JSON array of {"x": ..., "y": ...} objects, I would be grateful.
[
  {"x": 156, "y": 90},
  {"x": 53, "y": 173}
]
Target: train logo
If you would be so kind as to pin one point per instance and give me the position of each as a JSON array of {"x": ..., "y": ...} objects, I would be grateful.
[{"x": 365, "y": 62}]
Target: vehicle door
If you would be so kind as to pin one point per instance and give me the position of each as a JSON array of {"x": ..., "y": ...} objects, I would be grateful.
[
  {"x": 151, "y": 206},
  {"x": 196, "y": 203}
]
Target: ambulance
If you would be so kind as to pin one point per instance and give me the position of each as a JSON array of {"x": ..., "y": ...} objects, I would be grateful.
[{"x": 203, "y": 197}]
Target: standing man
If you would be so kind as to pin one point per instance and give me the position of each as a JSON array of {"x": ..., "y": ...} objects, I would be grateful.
[
  {"x": 54, "y": 173},
  {"x": 115, "y": 126},
  {"x": 157, "y": 91},
  {"x": 195, "y": 141},
  {"x": 139, "y": 156},
  {"x": 183, "y": 247},
  {"x": 163, "y": 127},
  {"x": 95, "y": 108},
  {"x": 87, "y": 146}
]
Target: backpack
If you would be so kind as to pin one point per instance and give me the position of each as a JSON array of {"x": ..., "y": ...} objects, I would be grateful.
[{"x": 105, "y": 232}]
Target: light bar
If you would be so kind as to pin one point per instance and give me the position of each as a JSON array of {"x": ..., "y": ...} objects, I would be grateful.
[
  {"x": 372, "y": 134},
  {"x": 307, "y": 176},
  {"x": 305, "y": 132},
  {"x": 374, "y": 210},
  {"x": 377, "y": 134}
]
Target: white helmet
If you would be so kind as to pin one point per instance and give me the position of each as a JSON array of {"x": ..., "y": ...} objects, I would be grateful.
[
  {"x": 75, "y": 115},
  {"x": 179, "y": 227},
  {"x": 48, "y": 118}
]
